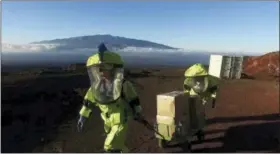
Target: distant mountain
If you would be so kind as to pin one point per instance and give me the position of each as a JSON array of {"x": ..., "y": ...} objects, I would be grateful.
[{"x": 112, "y": 42}]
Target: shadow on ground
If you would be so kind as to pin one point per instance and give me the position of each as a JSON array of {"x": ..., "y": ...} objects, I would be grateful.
[
  {"x": 36, "y": 106},
  {"x": 260, "y": 137},
  {"x": 246, "y": 76},
  {"x": 267, "y": 117},
  {"x": 33, "y": 110}
]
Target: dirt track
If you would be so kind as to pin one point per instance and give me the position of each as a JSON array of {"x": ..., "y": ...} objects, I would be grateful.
[{"x": 246, "y": 117}]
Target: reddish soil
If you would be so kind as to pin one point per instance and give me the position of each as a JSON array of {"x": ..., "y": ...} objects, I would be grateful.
[
  {"x": 261, "y": 66},
  {"x": 39, "y": 114}
]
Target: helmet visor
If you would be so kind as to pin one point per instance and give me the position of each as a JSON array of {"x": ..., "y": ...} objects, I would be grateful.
[
  {"x": 199, "y": 84},
  {"x": 106, "y": 82}
]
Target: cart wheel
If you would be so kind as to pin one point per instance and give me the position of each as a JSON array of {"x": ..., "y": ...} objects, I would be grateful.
[
  {"x": 187, "y": 147},
  {"x": 200, "y": 135},
  {"x": 162, "y": 143}
]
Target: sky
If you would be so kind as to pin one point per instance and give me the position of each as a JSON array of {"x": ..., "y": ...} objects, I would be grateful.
[{"x": 251, "y": 26}]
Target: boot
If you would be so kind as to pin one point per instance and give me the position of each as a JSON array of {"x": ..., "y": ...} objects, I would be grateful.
[{"x": 113, "y": 151}]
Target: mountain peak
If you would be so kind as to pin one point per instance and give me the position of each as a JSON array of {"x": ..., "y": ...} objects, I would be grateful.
[{"x": 92, "y": 41}]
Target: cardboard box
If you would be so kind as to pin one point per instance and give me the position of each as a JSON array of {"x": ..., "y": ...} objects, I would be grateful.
[
  {"x": 172, "y": 106},
  {"x": 178, "y": 107}
]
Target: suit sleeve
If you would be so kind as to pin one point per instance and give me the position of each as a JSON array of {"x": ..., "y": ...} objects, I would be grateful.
[
  {"x": 88, "y": 104},
  {"x": 131, "y": 96},
  {"x": 186, "y": 88}
]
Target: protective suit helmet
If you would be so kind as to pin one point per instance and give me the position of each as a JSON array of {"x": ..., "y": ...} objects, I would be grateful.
[
  {"x": 105, "y": 70},
  {"x": 197, "y": 78}
]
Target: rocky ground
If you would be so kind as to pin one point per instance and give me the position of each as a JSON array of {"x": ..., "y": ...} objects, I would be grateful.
[
  {"x": 40, "y": 110},
  {"x": 39, "y": 113}
]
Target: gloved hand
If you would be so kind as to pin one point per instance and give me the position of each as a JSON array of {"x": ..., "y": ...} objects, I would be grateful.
[
  {"x": 213, "y": 102},
  {"x": 213, "y": 96},
  {"x": 137, "y": 113},
  {"x": 205, "y": 100},
  {"x": 81, "y": 123},
  {"x": 138, "y": 116}
]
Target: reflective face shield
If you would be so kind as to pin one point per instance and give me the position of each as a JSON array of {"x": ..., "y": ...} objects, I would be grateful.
[
  {"x": 199, "y": 84},
  {"x": 106, "y": 82}
]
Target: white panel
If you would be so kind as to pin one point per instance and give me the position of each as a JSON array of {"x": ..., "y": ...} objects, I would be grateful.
[
  {"x": 226, "y": 67},
  {"x": 237, "y": 67},
  {"x": 215, "y": 65}
]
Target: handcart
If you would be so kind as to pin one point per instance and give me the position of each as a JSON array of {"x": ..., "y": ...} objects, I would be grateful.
[{"x": 180, "y": 117}]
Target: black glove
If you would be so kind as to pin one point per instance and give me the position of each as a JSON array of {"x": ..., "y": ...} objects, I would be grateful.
[
  {"x": 213, "y": 102},
  {"x": 138, "y": 117},
  {"x": 137, "y": 110}
]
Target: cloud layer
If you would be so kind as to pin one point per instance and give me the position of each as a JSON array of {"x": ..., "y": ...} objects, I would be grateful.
[
  {"x": 53, "y": 47},
  {"x": 47, "y": 55},
  {"x": 27, "y": 47}
]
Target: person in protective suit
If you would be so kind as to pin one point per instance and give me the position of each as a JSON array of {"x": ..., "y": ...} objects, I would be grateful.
[
  {"x": 199, "y": 83},
  {"x": 200, "y": 86},
  {"x": 115, "y": 97}
]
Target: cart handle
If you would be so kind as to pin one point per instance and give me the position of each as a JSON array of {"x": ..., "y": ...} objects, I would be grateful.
[{"x": 149, "y": 126}]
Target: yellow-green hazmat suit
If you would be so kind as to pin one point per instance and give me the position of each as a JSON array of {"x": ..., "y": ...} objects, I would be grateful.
[
  {"x": 116, "y": 110},
  {"x": 202, "y": 87},
  {"x": 198, "y": 70}
]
